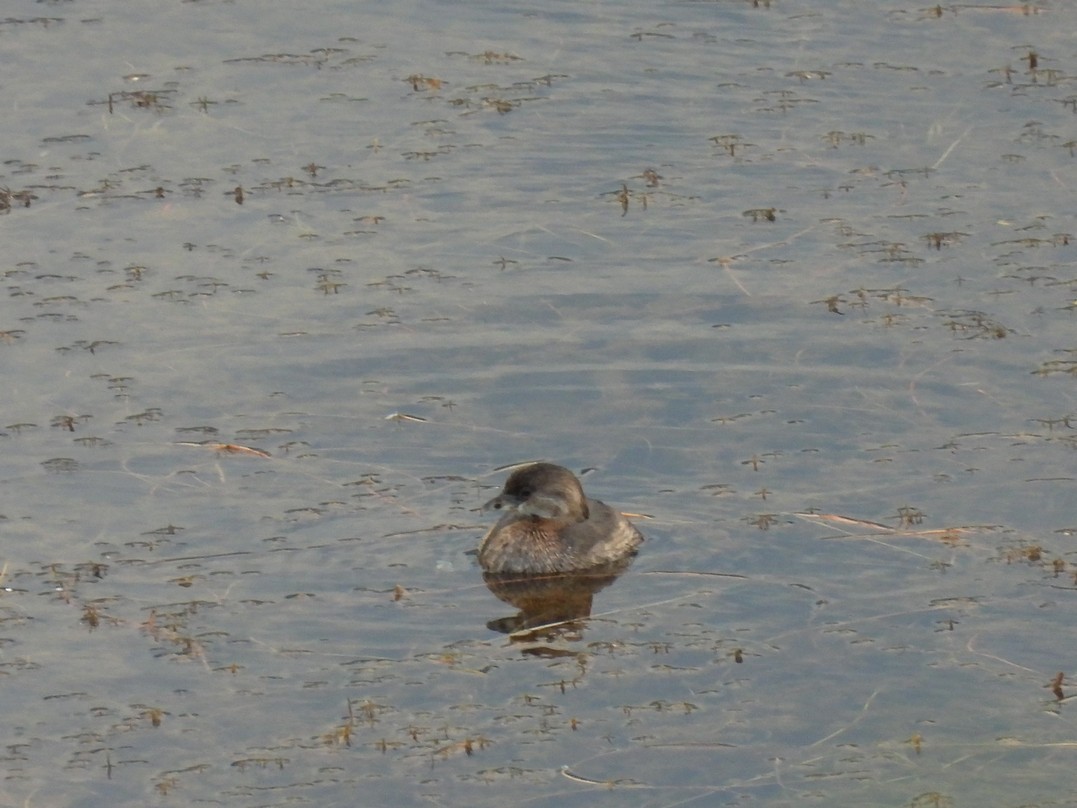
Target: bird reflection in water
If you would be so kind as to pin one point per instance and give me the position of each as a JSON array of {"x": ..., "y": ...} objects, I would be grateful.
[{"x": 550, "y": 605}]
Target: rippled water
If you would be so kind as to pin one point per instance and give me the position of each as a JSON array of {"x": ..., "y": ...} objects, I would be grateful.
[{"x": 285, "y": 289}]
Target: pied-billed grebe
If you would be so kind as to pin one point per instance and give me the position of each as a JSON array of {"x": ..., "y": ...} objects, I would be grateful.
[{"x": 551, "y": 526}]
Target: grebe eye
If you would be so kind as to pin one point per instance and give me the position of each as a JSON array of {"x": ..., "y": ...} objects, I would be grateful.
[{"x": 526, "y": 493}]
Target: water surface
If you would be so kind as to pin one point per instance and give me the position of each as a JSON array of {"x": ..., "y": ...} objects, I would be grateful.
[{"x": 794, "y": 281}]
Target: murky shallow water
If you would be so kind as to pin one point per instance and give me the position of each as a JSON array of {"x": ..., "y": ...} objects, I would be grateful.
[{"x": 746, "y": 262}]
